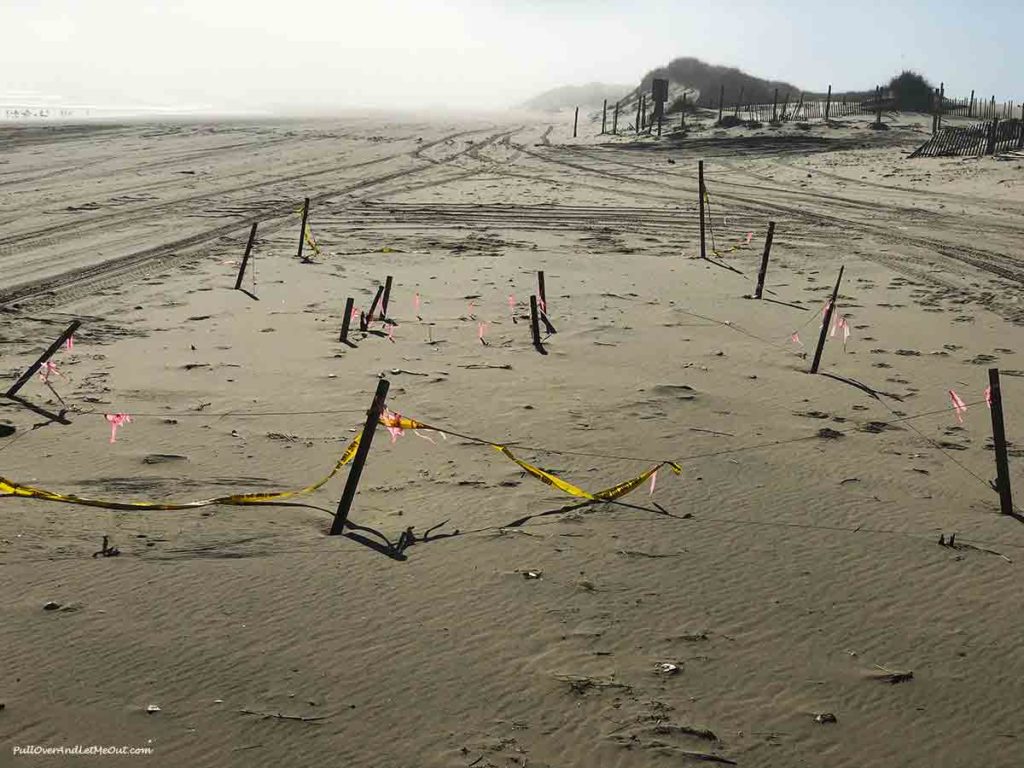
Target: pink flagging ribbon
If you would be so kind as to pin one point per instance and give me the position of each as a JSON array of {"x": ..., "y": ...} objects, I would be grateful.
[
  {"x": 795, "y": 338},
  {"x": 481, "y": 329},
  {"x": 425, "y": 437},
  {"x": 391, "y": 332},
  {"x": 654, "y": 480},
  {"x": 46, "y": 369},
  {"x": 70, "y": 343},
  {"x": 750, "y": 236},
  {"x": 416, "y": 303},
  {"x": 542, "y": 304},
  {"x": 958, "y": 405},
  {"x": 355, "y": 313},
  {"x": 470, "y": 307},
  {"x": 988, "y": 396},
  {"x": 512, "y": 303},
  {"x": 116, "y": 420},
  {"x": 390, "y": 419},
  {"x": 840, "y": 324}
]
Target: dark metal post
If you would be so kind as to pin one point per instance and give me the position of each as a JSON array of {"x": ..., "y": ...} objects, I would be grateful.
[
  {"x": 828, "y": 102},
  {"x": 825, "y": 323},
  {"x": 534, "y": 324},
  {"x": 302, "y": 229},
  {"x": 349, "y": 494},
  {"x": 999, "y": 442},
  {"x": 245, "y": 258},
  {"x": 764, "y": 260},
  {"x": 384, "y": 300},
  {"x": 575, "y": 120},
  {"x": 373, "y": 306},
  {"x": 700, "y": 194},
  {"x": 68, "y": 332},
  {"x": 346, "y": 320}
]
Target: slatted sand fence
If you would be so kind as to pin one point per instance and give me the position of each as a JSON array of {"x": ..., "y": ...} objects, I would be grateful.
[{"x": 974, "y": 140}]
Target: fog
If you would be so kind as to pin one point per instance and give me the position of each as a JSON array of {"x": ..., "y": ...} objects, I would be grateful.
[{"x": 489, "y": 54}]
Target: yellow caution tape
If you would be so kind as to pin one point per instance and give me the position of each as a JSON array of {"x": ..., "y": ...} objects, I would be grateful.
[
  {"x": 609, "y": 494},
  {"x": 9, "y": 488},
  {"x": 311, "y": 241}
]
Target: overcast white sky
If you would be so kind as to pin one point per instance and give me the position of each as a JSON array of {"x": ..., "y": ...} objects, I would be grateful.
[{"x": 334, "y": 54}]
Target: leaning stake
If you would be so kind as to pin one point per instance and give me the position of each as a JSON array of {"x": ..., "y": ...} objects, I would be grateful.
[
  {"x": 43, "y": 358},
  {"x": 999, "y": 441},
  {"x": 764, "y": 260},
  {"x": 534, "y": 325},
  {"x": 349, "y": 494},
  {"x": 825, "y": 323},
  {"x": 245, "y": 258},
  {"x": 346, "y": 320},
  {"x": 700, "y": 194},
  {"x": 302, "y": 229},
  {"x": 384, "y": 300}
]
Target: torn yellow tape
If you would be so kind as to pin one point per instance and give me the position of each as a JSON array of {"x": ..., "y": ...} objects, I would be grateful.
[
  {"x": 311, "y": 241},
  {"x": 9, "y": 488},
  {"x": 608, "y": 494}
]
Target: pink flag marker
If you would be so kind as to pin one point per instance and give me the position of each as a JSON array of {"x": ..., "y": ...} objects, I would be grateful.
[
  {"x": 116, "y": 420},
  {"x": 512, "y": 303},
  {"x": 391, "y": 332},
  {"x": 355, "y": 313},
  {"x": 391, "y": 421},
  {"x": 795, "y": 338},
  {"x": 70, "y": 343},
  {"x": 958, "y": 405},
  {"x": 470, "y": 307},
  {"x": 481, "y": 328},
  {"x": 988, "y": 396},
  {"x": 542, "y": 304},
  {"x": 750, "y": 236},
  {"x": 46, "y": 369},
  {"x": 416, "y": 303},
  {"x": 654, "y": 479}
]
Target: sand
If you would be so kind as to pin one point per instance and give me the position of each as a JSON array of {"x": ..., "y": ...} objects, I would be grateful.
[{"x": 781, "y": 574}]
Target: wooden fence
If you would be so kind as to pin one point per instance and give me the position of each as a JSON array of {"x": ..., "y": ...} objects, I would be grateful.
[{"x": 990, "y": 137}]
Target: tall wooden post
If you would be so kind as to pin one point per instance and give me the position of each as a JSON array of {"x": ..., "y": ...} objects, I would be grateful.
[
  {"x": 615, "y": 119},
  {"x": 999, "y": 443},
  {"x": 878, "y": 105},
  {"x": 942, "y": 98},
  {"x": 970, "y": 109},
  {"x": 575, "y": 120},
  {"x": 385, "y": 297},
  {"x": 534, "y": 322},
  {"x": 775, "y": 101},
  {"x": 1020, "y": 129},
  {"x": 825, "y": 323},
  {"x": 682, "y": 114},
  {"x": 736, "y": 112},
  {"x": 343, "y": 338},
  {"x": 700, "y": 194},
  {"x": 302, "y": 229},
  {"x": 542, "y": 291},
  {"x": 721, "y": 101},
  {"x": 245, "y": 258},
  {"x": 828, "y": 102},
  {"x": 68, "y": 333},
  {"x": 639, "y": 108},
  {"x": 764, "y": 260},
  {"x": 643, "y": 112},
  {"x": 992, "y": 128},
  {"x": 365, "y": 440},
  {"x": 604, "y": 116}
]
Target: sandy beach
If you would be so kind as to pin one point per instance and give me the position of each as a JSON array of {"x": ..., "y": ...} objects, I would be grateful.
[{"x": 791, "y": 571}]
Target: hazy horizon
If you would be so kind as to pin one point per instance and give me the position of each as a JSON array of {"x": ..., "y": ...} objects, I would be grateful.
[{"x": 313, "y": 55}]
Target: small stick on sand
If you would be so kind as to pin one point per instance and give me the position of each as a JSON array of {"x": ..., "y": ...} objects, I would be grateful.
[{"x": 279, "y": 716}]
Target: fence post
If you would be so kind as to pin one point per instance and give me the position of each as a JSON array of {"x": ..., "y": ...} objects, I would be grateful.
[
  {"x": 785, "y": 105},
  {"x": 878, "y": 105},
  {"x": 639, "y": 106},
  {"x": 302, "y": 229},
  {"x": 349, "y": 494},
  {"x": 1020, "y": 129},
  {"x": 575, "y": 120},
  {"x": 682, "y": 114},
  {"x": 970, "y": 109},
  {"x": 999, "y": 443},
  {"x": 604, "y": 116},
  {"x": 991, "y": 148},
  {"x": 739, "y": 101},
  {"x": 245, "y": 258},
  {"x": 615, "y": 120},
  {"x": 346, "y": 320},
  {"x": 764, "y": 260},
  {"x": 825, "y": 323},
  {"x": 775, "y": 101},
  {"x": 373, "y": 306},
  {"x": 721, "y": 101},
  {"x": 828, "y": 102},
  {"x": 534, "y": 324},
  {"x": 942, "y": 98},
  {"x": 542, "y": 291},
  {"x": 385, "y": 298},
  {"x": 700, "y": 194},
  {"x": 68, "y": 333}
]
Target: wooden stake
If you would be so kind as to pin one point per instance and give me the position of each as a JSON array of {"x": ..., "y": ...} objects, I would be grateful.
[
  {"x": 541, "y": 291},
  {"x": 349, "y": 494},
  {"x": 970, "y": 109},
  {"x": 604, "y": 116},
  {"x": 878, "y": 105},
  {"x": 721, "y": 101},
  {"x": 764, "y": 260},
  {"x": 999, "y": 442},
  {"x": 775, "y": 101},
  {"x": 384, "y": 300},
  {"x": 739, "y": 101},
  {"x": 575, "y": 120},
  {"x": 534, "y": 325},
  {"x": 991, "y": 148},
  {"x": 373, "y": 306},
  {"x": 615, "y": 119},
  {"x": 700, "y": 194},
  {"x": 639, "y": 107},
  {"x": 245, "y": 258},
  {"x": 302, "y": 229},
  {"x": 682, "y": 114},
  {"x": 345, "y": 320},
  {"x": 828, "y": 102},
  {"x": 825, "y": 323},
  {"x": 68, "y": 332}
]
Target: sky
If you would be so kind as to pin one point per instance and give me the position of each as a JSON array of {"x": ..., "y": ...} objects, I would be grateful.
[{"x": 480, "y": 54}]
